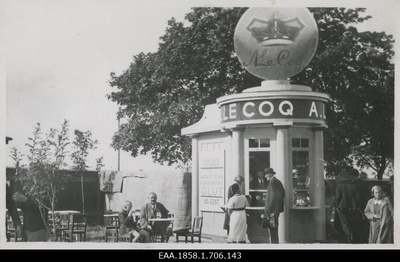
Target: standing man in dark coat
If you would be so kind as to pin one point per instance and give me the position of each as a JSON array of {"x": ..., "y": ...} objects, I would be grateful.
[
  {"x": 345, "y": 203},
  {"x": 274, "y": 201},
  {"x": 361, "y": 223},
  {"x": 13, "y": 212},
  {"x": 34, "y": 227}
]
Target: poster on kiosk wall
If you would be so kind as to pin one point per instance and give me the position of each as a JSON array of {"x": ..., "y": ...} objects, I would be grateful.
[{"x": 212, "y": 180}]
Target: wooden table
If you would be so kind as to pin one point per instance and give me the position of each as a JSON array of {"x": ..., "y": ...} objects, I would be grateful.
[
  {"x": 255, "y": 208},
  {"x": 161, "y": 219},
  {"x": 111, "y": 215},
  {"x": 166, "y": 221},
  {"x": 66, "y": 212},
  {"x": 63, "y": 215}
]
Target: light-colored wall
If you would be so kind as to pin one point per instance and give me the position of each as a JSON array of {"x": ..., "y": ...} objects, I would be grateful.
[
  {"x": 216, "y": 141},
  {"x": 173, "y": 190}
]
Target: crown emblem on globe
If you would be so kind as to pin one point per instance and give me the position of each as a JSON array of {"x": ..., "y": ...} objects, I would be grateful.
[{"x": 275, "y": 31}]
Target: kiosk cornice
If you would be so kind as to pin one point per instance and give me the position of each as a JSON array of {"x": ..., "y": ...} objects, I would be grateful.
[{"x": 283, "y": 125}]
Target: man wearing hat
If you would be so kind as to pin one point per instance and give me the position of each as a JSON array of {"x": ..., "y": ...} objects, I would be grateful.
[{"x": 273, "y": 202}]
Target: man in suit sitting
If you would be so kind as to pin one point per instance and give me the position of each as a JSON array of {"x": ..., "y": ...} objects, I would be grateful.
[
  {"x": 274, "y": 202},
  {"x": 149, "y": 211},
  {"x": 259, "y": 183}
]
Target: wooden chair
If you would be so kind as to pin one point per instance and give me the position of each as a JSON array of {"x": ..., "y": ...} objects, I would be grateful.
[
  {"x": 112, "y": 232},
  {"x": 195, "y": 231},
  {"x": 10, "y": 227},
  {"x": 62, "y": 225},
  {"x": 112, "y": 229},
  {"x": 124, "y": 238},
  {"x": 77, "y": 229}
]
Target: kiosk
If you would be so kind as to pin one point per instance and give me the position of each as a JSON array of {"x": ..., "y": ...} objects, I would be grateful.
[{"x": 277, "y": 124}]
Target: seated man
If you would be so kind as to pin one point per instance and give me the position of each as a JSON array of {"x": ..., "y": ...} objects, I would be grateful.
[
  {"x": 149, "y": 211},
  {"x": 128, "y": 224}
]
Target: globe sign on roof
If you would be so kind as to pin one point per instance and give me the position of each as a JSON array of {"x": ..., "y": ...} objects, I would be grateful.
[{"x": 276, "y": 43}]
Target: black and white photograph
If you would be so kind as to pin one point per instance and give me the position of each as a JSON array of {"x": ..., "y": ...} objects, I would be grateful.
[{"x": 198, "y": 125}]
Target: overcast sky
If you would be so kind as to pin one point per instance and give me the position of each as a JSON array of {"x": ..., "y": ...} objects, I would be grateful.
[{"x": 60, "y": 55}]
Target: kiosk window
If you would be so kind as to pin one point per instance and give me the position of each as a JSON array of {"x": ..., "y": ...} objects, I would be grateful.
[
  {"x": 300, "y": 142},
  {"x": 259, "y": 143},
  {"x": 259, "y": 159},
  {"x": 264, "y": 142},
  {"x": 301, "y": 172}
]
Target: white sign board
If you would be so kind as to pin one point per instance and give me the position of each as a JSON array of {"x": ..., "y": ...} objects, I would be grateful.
[{"x": 212, "y": 180}]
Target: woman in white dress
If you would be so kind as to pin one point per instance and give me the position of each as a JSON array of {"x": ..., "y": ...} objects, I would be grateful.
[{"x": 237, "y": 222}]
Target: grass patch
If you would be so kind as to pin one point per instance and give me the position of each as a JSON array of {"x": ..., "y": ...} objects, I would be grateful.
[{"x": 95, "y": 234}]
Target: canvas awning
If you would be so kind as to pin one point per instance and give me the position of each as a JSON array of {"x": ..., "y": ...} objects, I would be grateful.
[{"x": 112, "y": 181}]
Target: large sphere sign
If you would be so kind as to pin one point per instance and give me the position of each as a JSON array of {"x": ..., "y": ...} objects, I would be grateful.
[{"x": 276, "y": 43}]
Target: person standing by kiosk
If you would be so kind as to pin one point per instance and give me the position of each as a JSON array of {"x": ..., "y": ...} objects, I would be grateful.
[
  {"x": 273, "y": 202},
  {"x": 345, "y": 203},
  {"x": 259, "y": 183},
  {"x": 361, "y": 223},
  {"x": 237, "y": 214},
  {"x": 239, "y": 181},
  {"x": 379, "y": 211}
]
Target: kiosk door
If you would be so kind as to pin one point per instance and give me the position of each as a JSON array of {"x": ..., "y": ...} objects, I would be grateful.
[{"x": 259, "y": 159}]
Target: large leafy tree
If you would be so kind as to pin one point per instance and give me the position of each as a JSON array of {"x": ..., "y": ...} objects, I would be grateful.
[
  {"x": 162, "y": 92},
  {"x": 355, "y": 69}
]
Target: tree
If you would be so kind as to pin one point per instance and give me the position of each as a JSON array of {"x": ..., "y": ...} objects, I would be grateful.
[
  {"x": 43, "y": 179},
  {"x": 82, "y": 144},
  {"x": 165, "y": 91},
  {"x": 359, "y": 78},
  {"x": 162, "y": 92}
]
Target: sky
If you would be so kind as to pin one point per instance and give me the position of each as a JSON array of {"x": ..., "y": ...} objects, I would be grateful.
[{"x": 59, "y": 56}]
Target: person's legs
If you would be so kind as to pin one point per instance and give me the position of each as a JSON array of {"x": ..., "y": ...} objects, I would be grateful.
[
  {"x": 36, "y": 236},
  {"x": 358, "y": 226},
  {"x": 136, "y": 236},
  {"x": 344, "y": 219},
  {"x": 274, "y": 231},
  {"x": 168, "y": 234},
  {"x": 274, "y": 235},
  {"x": 145, "y": 235}
]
